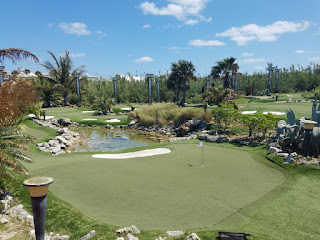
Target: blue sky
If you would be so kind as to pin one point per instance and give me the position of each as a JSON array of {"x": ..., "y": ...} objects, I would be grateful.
[{"x": 138, "y": 36}]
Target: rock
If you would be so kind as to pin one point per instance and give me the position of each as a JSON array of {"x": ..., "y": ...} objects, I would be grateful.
[
  {"x": 89, "y": 235},
  {"x": 45, "y": 145},
  {"x": 282, "y": 154},
  {"x": 59, "y": 152},
  {"x": 56, "y": 237},
  {"x": 16, "y": 210},
  {"x": 120, "y": 238},
  {"x": 159, "y": 238},
  {"x": 203, "y": 137},
  {"x": 193, "y": 236},
  {"x": 222, "y": 139},
  {"x": 133, "y": 122},
  {"x": 64, "y": 237},
  {"x": 212, "y": 138},
  {"x": 32, "y": 232},
  {"x": 23, "y": 215},
  {"x": 133, "y": 229},
  {"x": 3, "y": 220},
  {"x": 290, "y": 159},
  {"x": 131, "y": 237},
  {"x": 174, "y": 233},
  {"x": 274, "y": 150},
  {"x": 64, "y": 121}
]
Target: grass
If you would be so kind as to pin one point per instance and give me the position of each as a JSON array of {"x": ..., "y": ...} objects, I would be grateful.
[{"x": 76, "y": 115}]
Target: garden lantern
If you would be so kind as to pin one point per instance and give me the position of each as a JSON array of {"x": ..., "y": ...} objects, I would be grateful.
[
  {"x": 308, "y": 125},
  {"x": 149, "y": 78},
  {"x": 38, "y": 189},
  {"x": 1, "y": 77}
]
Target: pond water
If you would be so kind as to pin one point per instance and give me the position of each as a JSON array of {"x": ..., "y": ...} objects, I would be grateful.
[{"x": 105, "y": 140}]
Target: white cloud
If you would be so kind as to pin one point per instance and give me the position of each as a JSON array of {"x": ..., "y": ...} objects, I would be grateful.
[
  {"x": 269, "y": 33},
  {"x": 181, "y": 9},
  {"x": 199, "y": 43},
  {"x": 77, "y": 55},
  {"x": 144, "y": 59},
  {"x": 191, "y": 22},
  {"x": 146, "y": 26},
  {"x": 299, "y": 51},
  {"x": 260, "y": 68},
  {"x": 314, "y": 59},
  {"x": 101, "y": 34},
  {"x": 246, "y": 54},
  {"x": 76, "y": 28},
  {"x": 253, "y": 60}
]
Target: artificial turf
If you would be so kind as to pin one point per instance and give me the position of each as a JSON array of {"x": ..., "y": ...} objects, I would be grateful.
[{"x": 161, "y": 192}]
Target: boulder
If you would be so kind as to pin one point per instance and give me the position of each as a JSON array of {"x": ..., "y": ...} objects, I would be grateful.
[
  {"x": 290, "y": 159},
  {"x": 274, "y": 150},
  {"x": 282, "y": 154},
  {"x": 133, "y": 229},
  {"x": 212, "y": 138},
  {"x": 203, "y": 136},
  {"x": 89, "y": 235},
  {"x": 193, "y": 236},
  {"x": 64, "y": 121},
  {"x": 222, "y": 139},
  {"x": 131, "y": 237},
  {"x": 174, "y": 233}
]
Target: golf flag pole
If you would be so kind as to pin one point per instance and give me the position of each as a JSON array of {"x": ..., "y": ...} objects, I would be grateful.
[{"x": 201, "y": 145}]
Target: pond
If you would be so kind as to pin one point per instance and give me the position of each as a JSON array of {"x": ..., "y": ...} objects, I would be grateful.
[{"x": 106, "y": 140}]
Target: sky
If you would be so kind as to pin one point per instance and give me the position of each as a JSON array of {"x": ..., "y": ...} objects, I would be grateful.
[{"x": 147, "y": 36}]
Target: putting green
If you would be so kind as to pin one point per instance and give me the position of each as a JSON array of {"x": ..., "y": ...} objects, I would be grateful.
[{"x": 170, "y": 191}]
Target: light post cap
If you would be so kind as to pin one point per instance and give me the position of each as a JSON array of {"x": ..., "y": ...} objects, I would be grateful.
[
  {"x": 308, "y": 124},
  {"x": 77, "y": 75},
  {"x": 1, "y": 68},
  {"x": 149, "y": 75},
  {"x": 38, "y": 186}
]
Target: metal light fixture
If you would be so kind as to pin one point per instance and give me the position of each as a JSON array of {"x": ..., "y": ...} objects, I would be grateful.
[
  {"x": 38, "y": 189},
  {"x": 1, "y": 77},
  {"x": 149, "y": 77}
]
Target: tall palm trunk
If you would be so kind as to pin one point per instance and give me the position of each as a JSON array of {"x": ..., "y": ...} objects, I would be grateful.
[{"x": 178, "y": 95}]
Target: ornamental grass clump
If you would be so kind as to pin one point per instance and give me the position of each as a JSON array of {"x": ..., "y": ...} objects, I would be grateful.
[{"x": 162, "y": 114}]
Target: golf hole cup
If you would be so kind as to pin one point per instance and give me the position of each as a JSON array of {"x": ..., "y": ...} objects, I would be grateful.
[{"x": 38, "y": 189}]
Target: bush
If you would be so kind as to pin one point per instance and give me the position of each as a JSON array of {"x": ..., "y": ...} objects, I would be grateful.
[{"x": 162, "y": 114}]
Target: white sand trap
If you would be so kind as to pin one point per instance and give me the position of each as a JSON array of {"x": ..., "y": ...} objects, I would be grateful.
[
  {"x": 143, "y": 153},
  {"x": 113, "y": 120},
  {"x": 126, "y": 109},
  {"x": 89, "y": 119},
  {"x": 88, "y": 111},
  {"x": 249, "y": 112},
  {"x": 47, "y": 117},
  {"x": 31, "y": 115},
  {"x": 275, "y": 113}
]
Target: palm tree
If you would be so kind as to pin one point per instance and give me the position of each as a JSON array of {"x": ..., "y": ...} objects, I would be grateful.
[
  {"x": 14, "y": 54},
  {"x": 223, "y": 69},
  {"x": 62, "y": 75},
  {"x": 181, "y": 73}
]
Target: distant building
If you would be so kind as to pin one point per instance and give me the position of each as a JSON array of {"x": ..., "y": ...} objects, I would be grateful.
[{"x": 129, "y": 77}]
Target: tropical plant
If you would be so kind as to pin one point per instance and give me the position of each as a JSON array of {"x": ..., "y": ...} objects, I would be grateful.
[
  {"x": 217, "y": 96},
  {"x": 223, "y": 70},
  {"x": 226, "y": 113},
  {"x": 181, "y": 73},
  {"x": 259, "y": 123},
  {"x": 62, "y": 74},
  {"x": 14, "y": 54},
  {"x": 11, "y": 138}
]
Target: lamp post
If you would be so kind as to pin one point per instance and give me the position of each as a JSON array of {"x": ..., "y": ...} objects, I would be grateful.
[
  {"x": 115, "y": 87},
  {"x": 149, "y": 78},
  {"x": 1, "y": 77},
  {"x": 308, "y": 125},
  {"x": 38, "y": 189},
  {"x": 270, "y": 69},
  {"x": 277, "y": 70},
  {"x": 158, "y": 89},
  {"x": 208, "y": 81},
  {"x": 77, "y": 76}
]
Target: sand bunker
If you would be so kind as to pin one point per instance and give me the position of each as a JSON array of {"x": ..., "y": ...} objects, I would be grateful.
[
  {"x": 113, "y": 120},
  {"x": 89, "y": 119},
  {"x": 249, "y": 112},
  {"x": 126, "y": 109},
  {"x": 88, "y": 111},
  {"x": 143, "y": 153},
  {"x": 275, "y": 113}
]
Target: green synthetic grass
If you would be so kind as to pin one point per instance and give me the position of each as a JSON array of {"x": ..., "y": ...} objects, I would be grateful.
[
  {"x": 76, "y": 115},
  {"x": 160, "y": 192}
]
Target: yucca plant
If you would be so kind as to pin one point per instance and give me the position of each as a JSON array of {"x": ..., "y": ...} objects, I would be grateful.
[{"x": 11, "y": 139}]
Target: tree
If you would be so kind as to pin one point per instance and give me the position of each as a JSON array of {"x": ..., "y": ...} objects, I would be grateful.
[
  {"x": 223, "y": 70},
  {"x": 181, "y": 73},
  {"x": 14, "y": 54},
  {"x": 62, "y": 74},
  {"x": 217, "y": 96}
]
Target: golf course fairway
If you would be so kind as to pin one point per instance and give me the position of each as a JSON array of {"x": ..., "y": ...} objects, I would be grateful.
[{"x": 171, "y": 191}]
